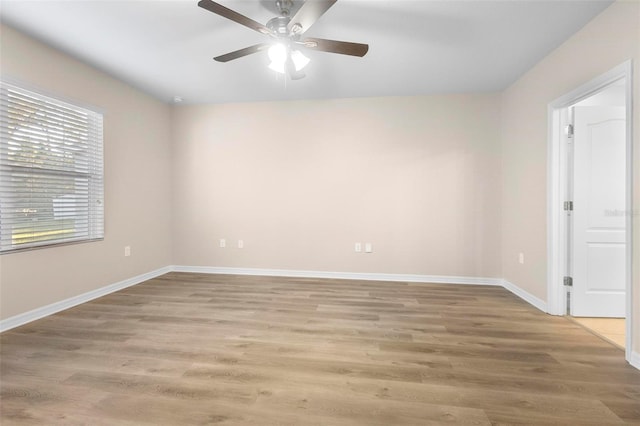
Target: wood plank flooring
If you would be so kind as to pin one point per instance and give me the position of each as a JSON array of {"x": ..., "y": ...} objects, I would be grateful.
[{"x": 190, "y": 349}]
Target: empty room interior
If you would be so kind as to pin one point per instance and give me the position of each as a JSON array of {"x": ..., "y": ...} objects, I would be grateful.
[{"x": 319, "y": 213}]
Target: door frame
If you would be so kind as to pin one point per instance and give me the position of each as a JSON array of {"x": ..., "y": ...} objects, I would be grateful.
[{"x": 557, "y": 182}]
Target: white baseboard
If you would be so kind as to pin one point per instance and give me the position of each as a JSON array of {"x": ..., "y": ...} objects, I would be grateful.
[
  {"x": 634, "y": 359},
  {"x": 44, "y": 311},
  {"x": 436, "y": 279},
  {"x": 525, "y": 295},
  {"x": 15, "y": 321}
]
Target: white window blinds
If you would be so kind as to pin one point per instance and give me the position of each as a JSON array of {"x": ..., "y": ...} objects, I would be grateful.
[{"x": 51, "y": 171}]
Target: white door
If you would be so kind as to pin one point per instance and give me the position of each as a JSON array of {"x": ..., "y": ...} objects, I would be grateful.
[{"x": 598, "y": 255}]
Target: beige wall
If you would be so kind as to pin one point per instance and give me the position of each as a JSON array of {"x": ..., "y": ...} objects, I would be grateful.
[
  {"x": 607, "y": 41},
  {"x": 137, "y": 183},
  {"x": 301, "y": 182}
]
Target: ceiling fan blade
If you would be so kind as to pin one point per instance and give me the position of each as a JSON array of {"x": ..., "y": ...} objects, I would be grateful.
[
  {"x": 225, "y": 12},
  {"x": 334, "y": 46},
  {"x": 308, "y": 14},
  {"x": 242, "y": 52}
]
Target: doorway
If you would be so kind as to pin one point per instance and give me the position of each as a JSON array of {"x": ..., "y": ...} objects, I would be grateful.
[
  {"x": 590, "y": 176},
  {"x": 596, "y": 226}
]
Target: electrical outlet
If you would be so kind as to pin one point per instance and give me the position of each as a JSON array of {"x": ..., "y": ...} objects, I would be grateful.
[
  {"x": 127, "y": 251},
  {"x": 358, "y": 248},
  {"x": 521, "y": 258},
  {"x": 240, "y": 244},
  {"x": 368, "y": 248},
  {"x": 223, "y": 243}
]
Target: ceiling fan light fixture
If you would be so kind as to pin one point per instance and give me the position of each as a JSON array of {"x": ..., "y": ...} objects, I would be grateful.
[
  {"x": 299, "y": 60},
  {"x": 278, "y": 56},
  {"x": 278, "y": 53},
  {"x": 277, "y": 67}
]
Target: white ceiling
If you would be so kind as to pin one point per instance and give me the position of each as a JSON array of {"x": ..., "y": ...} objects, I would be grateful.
[{"x": 165, "y": 48}]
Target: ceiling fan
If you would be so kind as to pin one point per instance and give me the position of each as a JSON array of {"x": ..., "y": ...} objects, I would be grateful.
[{"x": 286, "y": 33}]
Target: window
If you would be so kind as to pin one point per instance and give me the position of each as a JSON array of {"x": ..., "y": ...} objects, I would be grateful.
[{"x": 51, "y": 171}]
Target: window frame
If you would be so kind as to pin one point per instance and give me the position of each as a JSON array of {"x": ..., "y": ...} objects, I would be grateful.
[{"x": 91, "y": 200}]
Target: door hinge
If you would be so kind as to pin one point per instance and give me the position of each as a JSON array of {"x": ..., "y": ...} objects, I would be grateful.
[
  {"x": 568, "y": 130},
  {"x": 568, "y": 206},
  {"x": 568, "y": 281}
]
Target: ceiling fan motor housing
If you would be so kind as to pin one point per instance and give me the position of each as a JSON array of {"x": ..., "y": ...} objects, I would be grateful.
[{"x": 279, "y": 25}]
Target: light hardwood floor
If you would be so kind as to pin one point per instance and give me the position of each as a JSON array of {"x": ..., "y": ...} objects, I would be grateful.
[
  {"x": 234, "y": 350},
  {"x": 611, "y": 329}
]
